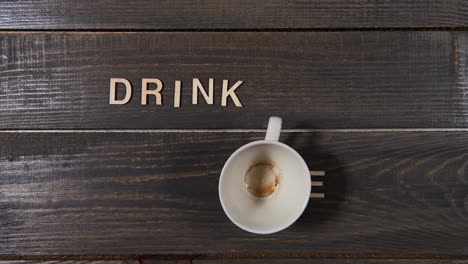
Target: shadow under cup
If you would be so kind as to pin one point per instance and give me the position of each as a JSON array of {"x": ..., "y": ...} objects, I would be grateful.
[{"x": 275, "y": 212}]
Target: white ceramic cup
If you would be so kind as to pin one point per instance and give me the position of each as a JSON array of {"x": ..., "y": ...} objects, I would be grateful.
[{"x": 280, "y": 209}]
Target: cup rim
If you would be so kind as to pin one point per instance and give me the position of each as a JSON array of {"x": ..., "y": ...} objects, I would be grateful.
[{"x": 299, "y": 212}]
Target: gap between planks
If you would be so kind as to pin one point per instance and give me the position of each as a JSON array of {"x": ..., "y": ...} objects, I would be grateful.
[{"x": 345, "y": 130}]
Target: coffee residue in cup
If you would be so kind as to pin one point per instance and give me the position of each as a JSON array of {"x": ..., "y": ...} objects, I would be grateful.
[{"x": 262, "y": 179}]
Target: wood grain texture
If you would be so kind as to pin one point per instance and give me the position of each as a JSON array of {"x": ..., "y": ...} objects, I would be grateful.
[
  {"x": 70, "y": 262},
  {"x": 153, "y": 261},
  {"x": 206, "y": 14},
  {"x": 156, "y": 194},
  {"x": 312, "y": 79},
  {"x": 328, "y": 261}
]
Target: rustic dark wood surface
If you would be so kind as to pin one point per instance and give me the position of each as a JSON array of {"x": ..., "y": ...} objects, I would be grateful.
[
  {"x": 75, "y": 262},
  {"x": 158, "y": 261},
  {"x": 147, "y": 193},
  {"x": 135, "y": 261},
  {"x": 311, "y": 79},
  {"x": 225, "y": 14},
  {"x": 328, "y": 261},
  {"x": 68, "y": 195},
  {"x": 153, "y": 261},
  {"x": 252, "y": 261}
]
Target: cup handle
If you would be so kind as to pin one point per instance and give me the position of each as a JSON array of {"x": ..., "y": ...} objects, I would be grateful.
[{"x": 274, "y": 128}]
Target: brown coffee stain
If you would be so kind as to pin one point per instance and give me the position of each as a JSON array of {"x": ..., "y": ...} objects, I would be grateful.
[{"x": 262, "y": 179}]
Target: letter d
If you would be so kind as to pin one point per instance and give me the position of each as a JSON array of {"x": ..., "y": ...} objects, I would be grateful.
[{"x": 112, "y": 92}]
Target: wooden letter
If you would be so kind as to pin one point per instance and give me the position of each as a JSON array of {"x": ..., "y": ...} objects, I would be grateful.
[
  {"x": 209, "y": 98},
  {"x": 231, "y": 93},
  {"x": 145, "y": 92},
  {"x": 177, "y": 93},
  {"x": 112, "y": 92}
]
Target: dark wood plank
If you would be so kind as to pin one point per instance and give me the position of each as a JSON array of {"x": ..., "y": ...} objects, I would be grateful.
[
  {"x": 135, "y": 261},
  {"x": 313, "y": 80},
  {"x": 157, "y": 261},
  {"x": 328, "y": 261},
  {"x": 156, "y": 194},
  {"x": 69, "y": 262},
  {"x": 152, "y": 261},
  {"x": 206, "y": 14}
]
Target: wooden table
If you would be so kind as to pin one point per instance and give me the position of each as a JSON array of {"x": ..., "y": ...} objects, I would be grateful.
[{"x": 372, "y": 92}]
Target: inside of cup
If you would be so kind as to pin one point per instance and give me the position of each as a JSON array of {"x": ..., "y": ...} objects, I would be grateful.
[{"x": 276, "y": 211}]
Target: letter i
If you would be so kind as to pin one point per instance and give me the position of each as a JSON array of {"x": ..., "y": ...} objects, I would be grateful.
[{"x": 177, "y": 93}]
